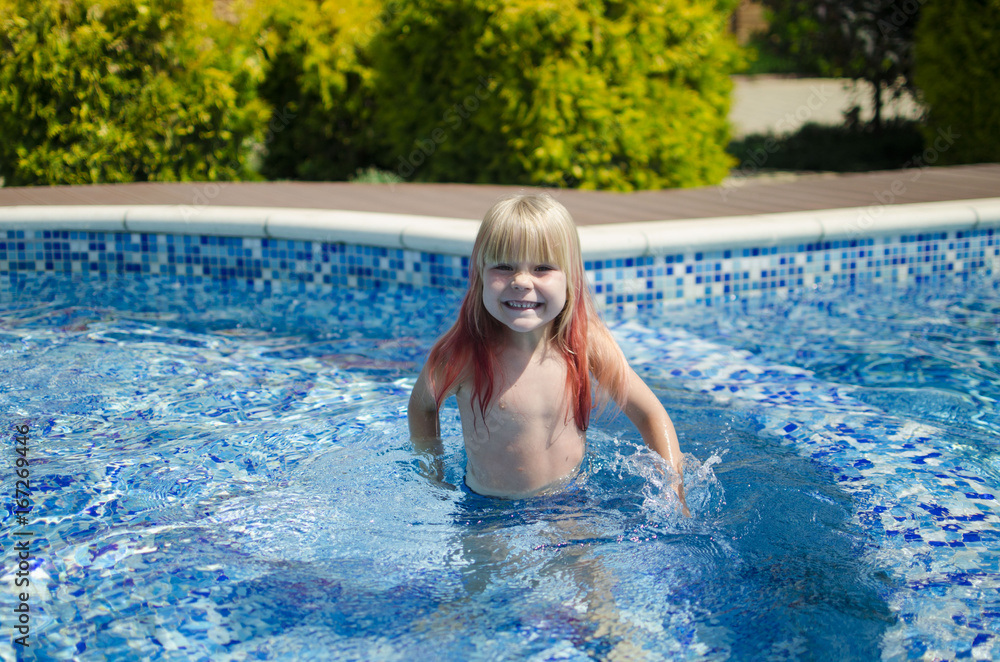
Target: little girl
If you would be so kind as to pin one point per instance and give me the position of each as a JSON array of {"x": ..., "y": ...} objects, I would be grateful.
[{"x": 520, "y": 359}]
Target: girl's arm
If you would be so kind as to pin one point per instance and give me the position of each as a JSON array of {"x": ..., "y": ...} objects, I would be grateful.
[
  {"x": 657, "y": 430},
  {"x": 425, "y": 428}
]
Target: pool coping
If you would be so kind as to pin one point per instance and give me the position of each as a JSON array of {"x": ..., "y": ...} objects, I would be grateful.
[{"x": 451, "y": 236}]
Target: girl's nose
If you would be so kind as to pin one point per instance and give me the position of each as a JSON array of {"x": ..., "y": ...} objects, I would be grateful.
[{"x": 521, "y": 280}]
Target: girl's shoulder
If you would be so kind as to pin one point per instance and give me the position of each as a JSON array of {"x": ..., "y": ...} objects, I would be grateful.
[
  {"x": 602, "y": 345},
  {"x": 608, "y": 364},
  {"x": 455, "y": 376}
]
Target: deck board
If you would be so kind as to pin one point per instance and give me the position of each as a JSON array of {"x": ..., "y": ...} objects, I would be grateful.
[{"x": 808, "y": 192}]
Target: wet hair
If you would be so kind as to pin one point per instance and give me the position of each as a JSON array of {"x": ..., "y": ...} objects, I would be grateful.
[{"x": 532, "y": 227}]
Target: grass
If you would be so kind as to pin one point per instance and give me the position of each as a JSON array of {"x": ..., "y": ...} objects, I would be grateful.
[{"x": 372, "y": 175}]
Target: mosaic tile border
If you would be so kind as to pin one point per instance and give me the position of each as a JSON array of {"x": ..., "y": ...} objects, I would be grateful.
[
  {"x": 711, "y": 277},
  {"x": 258, "y": 262},
  {"x": 708, "y": 277},
  {"x": 766, "y": 254}
]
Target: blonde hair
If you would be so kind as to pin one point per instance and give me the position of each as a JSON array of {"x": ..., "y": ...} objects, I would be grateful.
[{"x": 520, "y": 228}]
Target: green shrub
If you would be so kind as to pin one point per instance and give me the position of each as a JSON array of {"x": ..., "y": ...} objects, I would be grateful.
[
  {"x": 845, "y": 148},
  {"x": 121, "y": 90},
  {"x": 958, "y": 53},
  {"x": 763, "y": 58},
  {"x": 589, "y": 94},
  {"x": 785, "y": 47},
  {"x": 318, "y": 81}
]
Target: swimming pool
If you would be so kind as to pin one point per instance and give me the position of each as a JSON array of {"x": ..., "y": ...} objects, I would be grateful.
[{"x": 220, "y": 473}]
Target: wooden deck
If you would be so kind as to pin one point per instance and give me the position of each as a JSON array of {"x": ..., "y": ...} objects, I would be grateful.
[{"x": 751, "y": 196}]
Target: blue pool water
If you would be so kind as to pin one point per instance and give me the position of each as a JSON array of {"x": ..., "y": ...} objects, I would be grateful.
[{"x": 222, "y": 474}]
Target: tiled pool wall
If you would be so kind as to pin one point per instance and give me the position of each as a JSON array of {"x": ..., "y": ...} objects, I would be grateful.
[
  {"x": 716, "y": 276},
  {"x": 700, "y": 277},
  {"x": 278, "y": 264}
]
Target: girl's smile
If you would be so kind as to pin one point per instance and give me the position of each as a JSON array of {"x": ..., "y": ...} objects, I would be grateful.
[
  {"x": 520, "y": 305},
  {"x": 524, "y": 296}
]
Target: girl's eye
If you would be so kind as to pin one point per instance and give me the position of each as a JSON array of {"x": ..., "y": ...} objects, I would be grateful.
[
  {"x": 544, "y": 267},
  {"x": 502, "y": 267}
]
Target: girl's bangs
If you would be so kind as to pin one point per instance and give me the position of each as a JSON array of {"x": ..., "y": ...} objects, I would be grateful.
[{"x": 525, "y": 242}]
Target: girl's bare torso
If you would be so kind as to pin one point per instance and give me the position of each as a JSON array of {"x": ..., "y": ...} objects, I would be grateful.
[{"x": 528, "y": 440}]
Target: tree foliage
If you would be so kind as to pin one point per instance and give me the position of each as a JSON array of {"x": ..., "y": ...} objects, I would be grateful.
[
  {"x": 870, "y": 40},
  {"x": 586, "y": 93},
  {"x": 958, "y": 56},
  {"x": 589, "y": 94},
  {"x": 121, "y": 90},
  {"x": 318, "y": 81}
]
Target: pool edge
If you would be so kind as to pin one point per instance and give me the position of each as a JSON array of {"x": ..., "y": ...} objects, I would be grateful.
[{"x": 451, "y": 236}]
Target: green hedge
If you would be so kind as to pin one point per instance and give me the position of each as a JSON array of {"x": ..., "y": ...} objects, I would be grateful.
[
  {"x": 589, "y": 94},
  {"x": 319, "y": 83},
  {"x": 957, "y": 54},
  {"x": 124, "y": 90},
  {"x": 844, "y": 148}
]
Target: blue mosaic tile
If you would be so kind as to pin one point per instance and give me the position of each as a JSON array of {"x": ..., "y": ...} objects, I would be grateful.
[
  {"x": 701, "y": 277},
  {"x": 910, "y": 490}
]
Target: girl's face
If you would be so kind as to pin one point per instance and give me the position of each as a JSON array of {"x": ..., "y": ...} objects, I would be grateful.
[{"x": 524, "y": 296}]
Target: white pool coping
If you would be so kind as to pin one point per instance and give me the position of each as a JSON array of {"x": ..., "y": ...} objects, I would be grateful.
[{"x": 455, "y": 236}]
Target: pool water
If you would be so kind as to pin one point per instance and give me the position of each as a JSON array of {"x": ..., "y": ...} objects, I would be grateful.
[{"x": 224, "y": 474}]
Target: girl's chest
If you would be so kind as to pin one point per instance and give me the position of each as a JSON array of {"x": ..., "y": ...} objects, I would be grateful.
[{"x": 536, "y": 391}]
